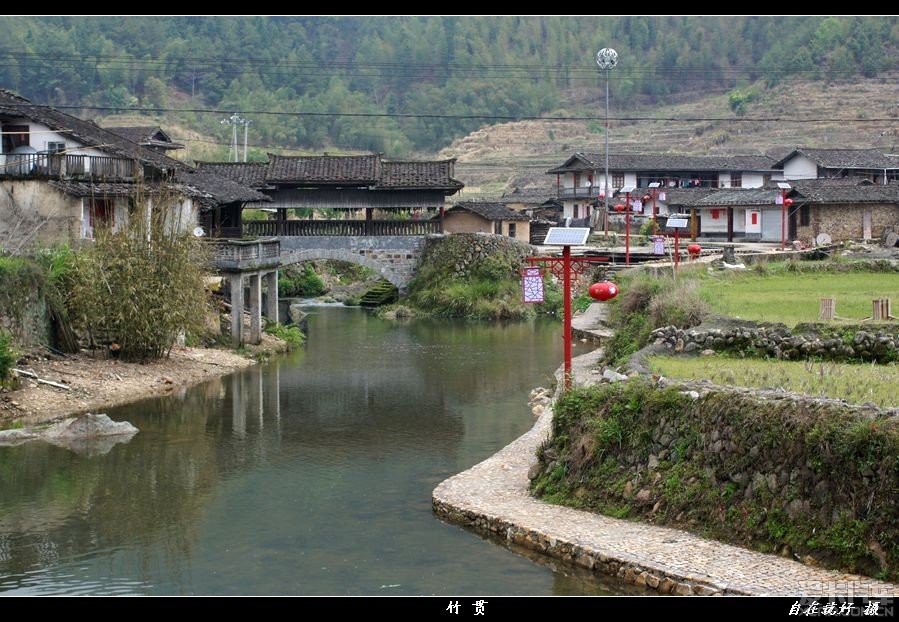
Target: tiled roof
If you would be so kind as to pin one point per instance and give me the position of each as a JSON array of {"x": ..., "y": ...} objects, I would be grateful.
[
  {"x": 685, "y": 196},
  {"x": 846, "y": 193},
  {"x": 535, "y": 196},
  {"x": 326, "y": 169},
  {"x": 213, "y": 189},
  {"x": 102, "y": 189},
  {"x": 737, "y": 196},
  {"x": 367, "y": 170},
  {"x": 85, "y": 132},
  {"x": 250, "y": 174},
  {"x": 489, "y": 210},
  {"x": 147, "y": 135},
  {"x": 663, "y": 162},
  {"x": 844, "y": 158},
  {"x": 437, "y": 174}
]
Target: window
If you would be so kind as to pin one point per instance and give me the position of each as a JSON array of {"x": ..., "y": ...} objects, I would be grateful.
[
  {"x": 736, "y": 180},
  {"x": 617, "y": 181},
  {"x": 577, "y": 212},
  {"x": 805, "y": 215},
  {"x": 55, "y": 147},
  {"x": 15, "y": 136},
  {"x": 511, "y": 229},
  {"x": 498, "y": 227}
]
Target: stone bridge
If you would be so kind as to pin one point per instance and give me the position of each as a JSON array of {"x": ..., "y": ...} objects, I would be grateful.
[
  {"x": 395, "y": 258},
  {"x": 252, "y": 265}
]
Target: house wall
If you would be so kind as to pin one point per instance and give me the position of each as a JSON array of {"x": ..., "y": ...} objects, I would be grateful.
[
  {"x": 584, "y": 208},
  {"x": 846, "y": 222},
  {"x": 800, "y": 167},
  {"x": 33, "y": 212},
  {"x": 522, "y": 229},
  {"x": 753, "y": 180},
  {"x": 713, "y": 225},
  {"x": 466, "y": 222},
  {"x": 41, "y": 135}
]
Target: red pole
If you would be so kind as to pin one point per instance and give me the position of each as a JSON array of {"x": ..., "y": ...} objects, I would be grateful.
[
  {"x": 654, "y": 210},
  {"x": 627, "y": 229},
  {"x": 566, "y": 297},
  {"x": 783, "y": 220}
]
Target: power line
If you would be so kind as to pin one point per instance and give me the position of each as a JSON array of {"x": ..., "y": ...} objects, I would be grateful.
[{"x": 494, "y": 117}]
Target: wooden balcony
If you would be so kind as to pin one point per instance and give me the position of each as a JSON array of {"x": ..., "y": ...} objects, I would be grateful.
[
  {"x": 241, "y": 255},
  {"x": 65, "y": 166},
  {"x": 274, "y": 228}
]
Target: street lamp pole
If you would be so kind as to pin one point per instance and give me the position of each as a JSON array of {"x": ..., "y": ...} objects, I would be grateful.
[{"x": 606, "y": 59}]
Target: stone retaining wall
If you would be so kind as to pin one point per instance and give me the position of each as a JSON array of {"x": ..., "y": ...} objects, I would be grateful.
[{"x": 877, "y": 344}]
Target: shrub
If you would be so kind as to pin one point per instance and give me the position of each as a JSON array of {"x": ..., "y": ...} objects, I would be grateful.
[
  {"x": 141, "y": 286},
  {"x": 303, "y": 283},
  {"x": 291, "y": 334},
  {"x": 8, "y": 357}
]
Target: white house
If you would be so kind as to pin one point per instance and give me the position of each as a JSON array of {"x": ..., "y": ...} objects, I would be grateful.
[
  {"x": 805, "y": 163},
  {"x": 581, "y": 179}
]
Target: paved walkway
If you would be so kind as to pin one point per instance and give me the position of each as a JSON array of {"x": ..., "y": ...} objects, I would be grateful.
[
  {"x": 493, "y": 496},
  {"x": 592, "y": 323}
]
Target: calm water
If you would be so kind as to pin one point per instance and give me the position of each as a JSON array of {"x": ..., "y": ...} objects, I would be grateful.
[{"x": 310, "y": 475}]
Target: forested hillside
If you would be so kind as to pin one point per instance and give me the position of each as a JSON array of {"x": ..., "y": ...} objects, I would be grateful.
[{"x": 475, "y": 67}]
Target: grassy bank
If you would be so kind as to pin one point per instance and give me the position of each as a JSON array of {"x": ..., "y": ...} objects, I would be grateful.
[
  {"x": 474, "y": 276},
  {"x": 815, "y": 482}
]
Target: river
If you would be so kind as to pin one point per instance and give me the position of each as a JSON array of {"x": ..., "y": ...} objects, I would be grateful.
[{"x": 311, "y": 474}]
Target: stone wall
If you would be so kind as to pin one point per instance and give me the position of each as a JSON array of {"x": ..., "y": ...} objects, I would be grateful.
[
  {"x": 29, "y": 321},
  {"x": 870, "y": 343},
  {"x": 846, "y": 222},
  {"x": 460, "y": 253}
]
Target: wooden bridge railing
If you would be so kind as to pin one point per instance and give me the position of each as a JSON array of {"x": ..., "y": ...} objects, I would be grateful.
[{"x": 274, "y": 228}]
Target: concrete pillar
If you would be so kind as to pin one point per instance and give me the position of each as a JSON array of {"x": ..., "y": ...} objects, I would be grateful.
[
  {"x": 271, "y": 298},
  {"x": 255, "y": 308},
  {"x": 236, "y": 284}
]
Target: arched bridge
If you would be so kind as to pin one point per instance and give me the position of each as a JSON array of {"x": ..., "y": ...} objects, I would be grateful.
[
  {"x": 252, "y": 265},
  {"x": 395, "y": 258}
]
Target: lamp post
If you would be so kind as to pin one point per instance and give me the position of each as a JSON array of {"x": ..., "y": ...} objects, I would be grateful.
[
  {"x": 785, "y": 203},
  {"x": 606, "y": 59}
]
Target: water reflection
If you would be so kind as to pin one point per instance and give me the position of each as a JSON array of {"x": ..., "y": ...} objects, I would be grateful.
[{"x": 310, "y": 475}]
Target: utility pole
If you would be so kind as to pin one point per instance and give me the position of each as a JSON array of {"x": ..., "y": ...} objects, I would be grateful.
[{"x": 234, "y": 150}]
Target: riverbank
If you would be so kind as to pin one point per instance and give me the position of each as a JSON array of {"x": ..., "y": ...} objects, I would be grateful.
[
  {"x": 493, "y": 496},
  {"x": 95, "y": 384}
]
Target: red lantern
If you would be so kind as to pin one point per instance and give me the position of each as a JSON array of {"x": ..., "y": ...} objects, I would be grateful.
[
  {"x": 603, "y": 291},
  {"x": 694, "y": 250},
  {"x": 788, "y": 202},
  {"x": 620, "y": 207}
]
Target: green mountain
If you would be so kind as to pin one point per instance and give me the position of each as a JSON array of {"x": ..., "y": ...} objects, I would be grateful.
[{"x": 475, "y": 67}]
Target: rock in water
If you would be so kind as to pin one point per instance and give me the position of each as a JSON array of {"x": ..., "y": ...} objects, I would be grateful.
[
  {"x": 89, "y": 434},
  {"x": 89, "y": 426}
]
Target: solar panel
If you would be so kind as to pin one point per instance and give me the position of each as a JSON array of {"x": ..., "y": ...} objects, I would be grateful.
[
  {"x": 676, "y": 223},
  {"x": 567, "y": 236}
]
